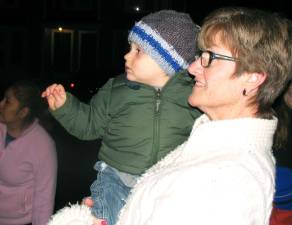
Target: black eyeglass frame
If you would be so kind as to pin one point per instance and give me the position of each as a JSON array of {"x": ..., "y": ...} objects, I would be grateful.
[{"x": 213, "y": 56}]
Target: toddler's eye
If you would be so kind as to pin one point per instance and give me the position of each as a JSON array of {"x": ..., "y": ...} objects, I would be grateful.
[{"x": 139, "y": 50}]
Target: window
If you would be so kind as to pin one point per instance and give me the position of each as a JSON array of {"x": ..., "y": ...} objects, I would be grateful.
[
  {"x": 62, "y": 50},
  {"x": 88, "y": 51}
]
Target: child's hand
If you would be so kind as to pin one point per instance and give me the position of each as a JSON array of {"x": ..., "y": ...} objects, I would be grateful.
[
  {"x": 56, "y": 96},
  {"x": 89, "y": 202}
]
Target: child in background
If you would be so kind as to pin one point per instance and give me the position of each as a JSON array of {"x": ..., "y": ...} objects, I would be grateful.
[{"x": 141, "y": 115}]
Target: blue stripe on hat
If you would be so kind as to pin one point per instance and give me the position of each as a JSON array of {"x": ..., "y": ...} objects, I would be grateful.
[{"x": 156, "y": 45}]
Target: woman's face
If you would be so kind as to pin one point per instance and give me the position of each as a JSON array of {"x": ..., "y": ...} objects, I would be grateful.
[
  {"x": 217, "y": 90},
  {"x": 10, "y": 111},
  {"x": 288, "y": 96}
]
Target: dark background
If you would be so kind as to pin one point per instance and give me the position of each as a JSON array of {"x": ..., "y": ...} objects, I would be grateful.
[
  {"x": 82, "y": 56},
  {"x": 93, "y": 40}
]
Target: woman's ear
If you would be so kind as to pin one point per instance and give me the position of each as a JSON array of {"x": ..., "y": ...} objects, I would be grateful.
[
  {"x": 23, "y": 112},
  {"x": 252, "y": 81},
  {"x": 256, "y": 79}
]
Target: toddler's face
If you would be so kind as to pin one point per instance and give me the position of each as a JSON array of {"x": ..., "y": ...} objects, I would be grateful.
[{"x": 140, "y": 67}]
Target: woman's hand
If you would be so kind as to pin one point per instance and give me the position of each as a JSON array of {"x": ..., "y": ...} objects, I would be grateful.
[{"x": 99, "y": 222}]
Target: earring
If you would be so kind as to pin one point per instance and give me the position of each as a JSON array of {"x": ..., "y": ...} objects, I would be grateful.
[{"x": 244, "y": 92}]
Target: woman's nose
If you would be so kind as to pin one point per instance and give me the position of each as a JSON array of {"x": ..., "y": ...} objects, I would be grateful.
[{"x": 194, "y": 66}]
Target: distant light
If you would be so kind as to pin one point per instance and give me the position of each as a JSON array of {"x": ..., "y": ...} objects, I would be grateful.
[
  {"x": 72, "y": 85},
  {"x": 137, "y": 8},
  {"x": 60, "y": 29}
]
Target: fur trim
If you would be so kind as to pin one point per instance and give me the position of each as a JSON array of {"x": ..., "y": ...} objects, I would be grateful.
[{"x": 72, "y": 215}]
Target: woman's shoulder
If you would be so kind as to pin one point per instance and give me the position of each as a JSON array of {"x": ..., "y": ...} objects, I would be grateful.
[
  {"x": 38, "y": 134},
  {"x": 2, "y": 126}
]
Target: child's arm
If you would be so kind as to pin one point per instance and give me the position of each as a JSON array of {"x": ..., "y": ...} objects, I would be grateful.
[
  {"x": 55, "y": 95},
  {"x": 86, "y": 121}
]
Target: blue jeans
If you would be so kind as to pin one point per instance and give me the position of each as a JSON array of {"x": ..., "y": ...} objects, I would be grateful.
[{"x": 109, "y": 193}]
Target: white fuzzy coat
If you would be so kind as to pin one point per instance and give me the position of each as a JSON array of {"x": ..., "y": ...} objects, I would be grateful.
[{"x": 222, "y": 175}]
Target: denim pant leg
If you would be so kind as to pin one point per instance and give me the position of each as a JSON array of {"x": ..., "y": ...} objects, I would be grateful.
[{"x": 109, "y": 194}]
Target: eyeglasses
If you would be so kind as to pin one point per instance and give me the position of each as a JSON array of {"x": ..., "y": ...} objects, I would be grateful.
[{"x": 207, "y": 57}]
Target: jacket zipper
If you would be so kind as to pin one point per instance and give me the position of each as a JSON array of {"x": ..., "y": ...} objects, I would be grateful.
[
  {"x": 157, "y": 100},
  {"x": 157, "y": 120}
]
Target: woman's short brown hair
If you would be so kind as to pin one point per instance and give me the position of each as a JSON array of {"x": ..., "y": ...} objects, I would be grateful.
[{"x": 262, "y": 42}]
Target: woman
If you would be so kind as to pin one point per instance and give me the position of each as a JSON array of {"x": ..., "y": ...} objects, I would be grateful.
[
  {"x": 282, "y": 149},
  {"x": 224, "y": 173},
  {"x": 28, "y": 163}
]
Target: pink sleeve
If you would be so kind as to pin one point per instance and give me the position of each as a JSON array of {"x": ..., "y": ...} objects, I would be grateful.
[{"x": 45, "y": 173}]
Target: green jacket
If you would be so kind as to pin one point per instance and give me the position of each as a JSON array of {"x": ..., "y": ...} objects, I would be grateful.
[{"x": 138, "y": 125}]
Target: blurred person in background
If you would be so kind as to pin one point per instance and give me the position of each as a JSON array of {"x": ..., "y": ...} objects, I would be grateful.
[{"x": 28, "y": 162}]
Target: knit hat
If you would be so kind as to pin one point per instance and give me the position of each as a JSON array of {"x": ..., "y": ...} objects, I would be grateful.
[{"x": 168, "y": 37}]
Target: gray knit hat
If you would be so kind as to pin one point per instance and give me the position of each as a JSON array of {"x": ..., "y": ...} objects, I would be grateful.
[{"x": 168, "y": 37}]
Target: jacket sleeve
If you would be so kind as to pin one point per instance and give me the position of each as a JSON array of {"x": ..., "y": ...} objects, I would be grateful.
[
  {"x": 45, "y": 178},
  {"x": 85, "y": 121}
]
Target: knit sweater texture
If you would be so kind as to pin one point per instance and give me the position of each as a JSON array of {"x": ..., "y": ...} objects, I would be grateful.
[{"x": 223, "y": 174}]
